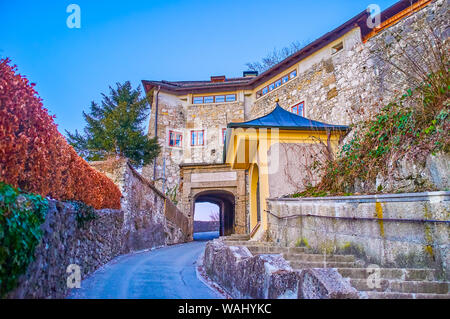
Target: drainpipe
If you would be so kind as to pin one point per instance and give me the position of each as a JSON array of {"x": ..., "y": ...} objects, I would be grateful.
[{"x": 156, "y": 128}]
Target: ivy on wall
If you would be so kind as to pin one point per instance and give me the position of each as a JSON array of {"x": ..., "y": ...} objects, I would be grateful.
[{"x": 21, "y": 217}]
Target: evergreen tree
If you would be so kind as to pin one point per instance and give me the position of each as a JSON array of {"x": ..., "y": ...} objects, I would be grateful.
[{"x": 115, "y": 128}]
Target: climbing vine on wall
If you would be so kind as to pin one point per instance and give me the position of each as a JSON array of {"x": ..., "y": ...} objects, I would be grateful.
[
  {"x": 414, "y": 125},
  {"x": 21, "y": 216}
]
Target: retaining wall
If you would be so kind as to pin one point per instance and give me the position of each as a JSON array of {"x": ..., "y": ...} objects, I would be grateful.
[
  {"x": 396, "y": 230},
  {"x": 245, "y": 276},
  {"x": 146, "y": 220}
]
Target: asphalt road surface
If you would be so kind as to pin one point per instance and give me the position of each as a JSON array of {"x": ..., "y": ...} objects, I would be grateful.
[{"x": 166, "y": 273}]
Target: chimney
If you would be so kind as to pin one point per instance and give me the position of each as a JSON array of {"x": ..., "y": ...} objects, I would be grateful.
[
  {"x": 250, "y": 74},
  {"x": 218, "y": 78}
]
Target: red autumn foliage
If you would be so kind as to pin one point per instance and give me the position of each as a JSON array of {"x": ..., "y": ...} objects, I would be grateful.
[{"x": 36, "y": 157}]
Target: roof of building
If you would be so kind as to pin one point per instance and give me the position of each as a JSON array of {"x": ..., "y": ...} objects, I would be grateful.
[
  {"x": 243, "y": 83},
  {"x": 280, "y": 118}
]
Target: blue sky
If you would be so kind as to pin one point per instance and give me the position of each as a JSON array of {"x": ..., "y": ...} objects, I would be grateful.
[{"x": 153, "y": 40}]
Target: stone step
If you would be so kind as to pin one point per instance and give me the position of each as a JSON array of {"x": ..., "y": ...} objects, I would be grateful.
[
  {"x": 236, "y": 238},
  {"x": 246, "y": 243},
  {"x": 424, "y": 287},
  {"x": 259, "y": 250},
  {"x": 402, "y": 295},
  {"x": 318, "y": 257},
  {"x": 328, "y": 264},
  {"x": 390, "y": 273}
]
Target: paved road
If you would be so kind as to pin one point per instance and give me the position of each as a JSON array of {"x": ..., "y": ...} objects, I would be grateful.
[{"x": 166, "y": 273}]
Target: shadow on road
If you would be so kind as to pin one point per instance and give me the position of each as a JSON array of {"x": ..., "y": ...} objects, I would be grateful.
[{"x": 206, "y": 236}]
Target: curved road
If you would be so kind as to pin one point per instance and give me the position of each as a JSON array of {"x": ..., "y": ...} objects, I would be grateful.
[{"x": 166, "y": 273}]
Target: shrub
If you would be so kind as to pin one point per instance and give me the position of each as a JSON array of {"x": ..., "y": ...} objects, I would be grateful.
[
  {"x": 36, "y": 157},
  {"x": 21, "y": 216}
]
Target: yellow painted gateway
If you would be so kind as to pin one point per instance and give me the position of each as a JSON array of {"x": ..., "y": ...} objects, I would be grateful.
[{"x": 264, "y": 146}]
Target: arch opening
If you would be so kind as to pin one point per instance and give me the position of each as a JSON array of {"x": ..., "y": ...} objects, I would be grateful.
[{"x": 226, "y": 206}]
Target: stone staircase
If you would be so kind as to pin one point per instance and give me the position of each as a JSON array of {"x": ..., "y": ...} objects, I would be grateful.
[{"x": 394, "y": 283}]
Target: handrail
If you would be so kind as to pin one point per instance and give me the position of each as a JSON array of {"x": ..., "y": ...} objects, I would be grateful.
[{"x": 364, "y": 218}]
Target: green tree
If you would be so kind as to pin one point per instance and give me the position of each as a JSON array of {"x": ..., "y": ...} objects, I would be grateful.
[{"x": 115, "y": 127}]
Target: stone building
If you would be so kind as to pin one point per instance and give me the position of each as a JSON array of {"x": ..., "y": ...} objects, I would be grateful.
[{"x": 336, "y": 79}]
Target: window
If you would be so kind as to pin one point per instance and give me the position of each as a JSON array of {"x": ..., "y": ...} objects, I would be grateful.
[
  {"x": 224, "y": 135},
  {"x": 338, "y": 47},
  {"x": 175, "y": 139},
  {"x": 209, "y": 99},
  {"x": 231, "y": 98},
  {"x": 299, "y": 109},
  {"x": 214, "y": 99},
  {"x": 276, "y": 84},
  {"x": 293, "y": 74},
  {"x": 197, "y": 138},
  {"x": 198, "y": 100}
]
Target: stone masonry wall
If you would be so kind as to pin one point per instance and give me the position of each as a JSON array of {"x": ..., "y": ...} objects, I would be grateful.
[
  {"x": 171, "y": 116},
  {"x": 176, "y": 115},
  {"x": 354, "y": 83},
  {"x": 346, "y": 87},
  {"x": 142, "y": 201},
  {"x": 64, "y": 243},
  {"x": 245, "y": 276}
]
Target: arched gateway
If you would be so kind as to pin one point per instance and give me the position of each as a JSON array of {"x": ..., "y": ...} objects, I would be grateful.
[{"x": 218, "y": 184}]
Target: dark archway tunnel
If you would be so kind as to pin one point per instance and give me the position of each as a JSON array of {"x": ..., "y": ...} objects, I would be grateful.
[{"x": 226, "y": 203}]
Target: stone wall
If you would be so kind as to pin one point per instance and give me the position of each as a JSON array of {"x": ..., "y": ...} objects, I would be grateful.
[
  {"x": 182, "y": 116},
  {"x": 298, "y": 166},
  {"x": 146, "y": 220},
  {"x": 353, "y": 84},
  {"x": 345, "y": 87},
  {"x": 206, "y": 226},
  {"x": 244, "y": 276},
  {"x": 142, "y": 201},
  {"x": 64, "y": 243},
  {"x": 397, "y": 230}
]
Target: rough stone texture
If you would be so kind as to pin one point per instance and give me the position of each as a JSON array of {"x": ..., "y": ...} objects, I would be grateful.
[
  {"x": 345, "y": 87},
  {"x": 408, "y": 174},
  {"x": 146, "y": 220},
  {"x": 64, "y": 243},
  {"x": 190, "y": 190},
  {"x": 292, "y": 175},
  {"x": 354, "y": 84},
  {"x": 387, "y": 230},
  {"x": 324, "y": 283},
  {"x": 180, "y": 115},
  {"x": 143, "y": 203},
  {"x": 244, "y": 276}
]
